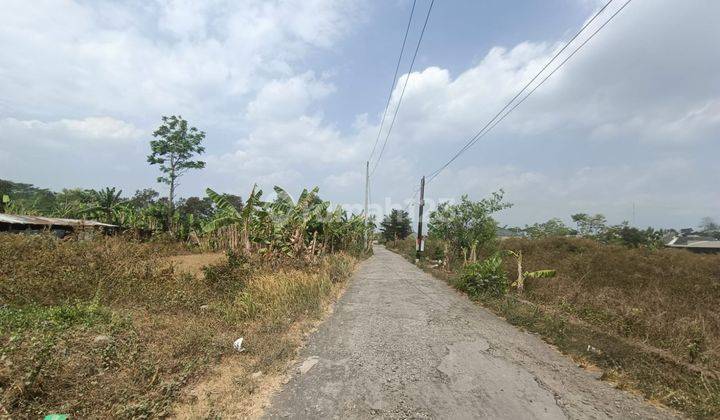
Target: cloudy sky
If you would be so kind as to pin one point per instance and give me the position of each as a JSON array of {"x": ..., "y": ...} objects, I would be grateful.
[{"x": 291, "y": 93}]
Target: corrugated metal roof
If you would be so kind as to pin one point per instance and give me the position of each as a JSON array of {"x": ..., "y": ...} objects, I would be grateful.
[
  {"x": 17, "y": 219},
  {"x": 697, "y": 244}
]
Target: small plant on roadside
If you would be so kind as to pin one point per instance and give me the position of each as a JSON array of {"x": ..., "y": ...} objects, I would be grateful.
[
  {"x": 485, "y": 277},
  {"x": 519, "y": 282}
]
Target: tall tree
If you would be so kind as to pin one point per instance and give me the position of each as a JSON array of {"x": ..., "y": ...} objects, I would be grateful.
[
  {"x": 396, "y": 225},
  {"x": 174, "y": 148},
  {"x": 590, "y": 225}
]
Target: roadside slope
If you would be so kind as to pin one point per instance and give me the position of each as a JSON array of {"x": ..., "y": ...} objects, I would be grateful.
[{"x": 403, "y": 344}]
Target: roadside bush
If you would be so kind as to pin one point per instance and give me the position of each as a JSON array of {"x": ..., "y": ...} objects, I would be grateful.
[{"x": 486, "y": 277}]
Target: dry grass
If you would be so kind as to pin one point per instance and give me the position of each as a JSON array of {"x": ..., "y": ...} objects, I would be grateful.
[
  {"x": 194, "y": 263},
  {"x": 110, "y": 328},
  {"x": 666, "y": 298}
]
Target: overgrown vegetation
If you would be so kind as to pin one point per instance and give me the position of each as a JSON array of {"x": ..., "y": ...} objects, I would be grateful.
[
  {"x": 109, "y": 328},
  {"x": 648, "y": 317},
  {"x": 608, "y": 295}
]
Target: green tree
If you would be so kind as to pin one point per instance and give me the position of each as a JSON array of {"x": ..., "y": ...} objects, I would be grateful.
[
  {"x": 144, "y": 198},
  {"x": 590, "y": 225},
  {"x": 174, "y": 148},
  {"x": 624, "y": 234},
  {"x": 468, "y": 223},
  {"x": 396, "y": 225},
  {"x": 26, "y": 198},
  {"x": 553, "y": 227},
  {"x": 73, "y": 203},
  {"x": 199, "y": 208}
]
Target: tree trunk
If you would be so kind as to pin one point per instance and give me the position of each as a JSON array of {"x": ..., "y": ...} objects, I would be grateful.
[
  {"x": 246, "y": 238},
  {"x": 171, "y": 196},
  {"x": 520, "y": 278}
]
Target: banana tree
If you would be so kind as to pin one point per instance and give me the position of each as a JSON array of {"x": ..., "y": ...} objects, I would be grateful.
[
  {"x": 522, "y": 275},
  {"x": 227, "y": 215},
  {"x": 291, "y": 219},
  {"x": 106, "y": 202}
]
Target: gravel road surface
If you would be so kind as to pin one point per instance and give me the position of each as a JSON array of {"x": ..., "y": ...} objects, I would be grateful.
[{"x": 402, "y": 344}]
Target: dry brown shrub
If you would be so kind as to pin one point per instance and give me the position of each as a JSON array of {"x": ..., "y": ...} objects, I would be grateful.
[
  {"x": 666, "y": 298},
  {"x": 109, "y": 327}
]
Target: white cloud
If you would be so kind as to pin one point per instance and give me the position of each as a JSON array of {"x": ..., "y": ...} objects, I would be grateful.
[
  {"x": 65, "y": 63},
  {"x": 633, "y": 117},
  {"x": 345, "y": 180},
  {"x": 287, "y": 99},
  {"x": 178, "y": 56},
  {"x": 609, "y": 129},
  {"x": 98, "y": 131}
]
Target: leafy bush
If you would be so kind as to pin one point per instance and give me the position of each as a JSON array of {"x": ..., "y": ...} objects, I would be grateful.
[{"x": 485, "y": 277}]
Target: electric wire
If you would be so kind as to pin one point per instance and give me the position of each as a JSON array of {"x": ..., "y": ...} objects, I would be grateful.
[
  {"x": 495, "y": 120},
  {"x": 402, "y": 92},
  {"x": 392, "y": 86}
]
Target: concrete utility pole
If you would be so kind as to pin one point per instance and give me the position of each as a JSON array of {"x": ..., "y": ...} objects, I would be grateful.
[
  {"x": 420, "y": 247},
  {"x": 367, "y": 186},
  {"x": 367, "y": 196}
]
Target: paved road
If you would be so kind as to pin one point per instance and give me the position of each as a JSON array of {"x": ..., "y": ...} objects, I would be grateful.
[{"x": 402, "y": 344}]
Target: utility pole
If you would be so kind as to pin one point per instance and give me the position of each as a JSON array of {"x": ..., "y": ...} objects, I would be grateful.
[
  {"x": 367, "y": 196},
  {"x": 367, "y": 187},
  {"x": 420, "y": 247}
]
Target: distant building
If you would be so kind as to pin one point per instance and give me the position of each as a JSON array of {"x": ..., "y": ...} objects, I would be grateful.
[
  {"x": 504, "y": 233},
  {"x": 695, "y": 243},
  {"x": 15, "y": 223}
]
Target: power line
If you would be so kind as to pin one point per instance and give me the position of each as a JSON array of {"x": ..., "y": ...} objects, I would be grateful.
[
  {"x": 402, "y": 92},
  {"x": 411, "y": 202},
  {"x": 392, "y": 86},
  {"x": 495, "y": 120}
]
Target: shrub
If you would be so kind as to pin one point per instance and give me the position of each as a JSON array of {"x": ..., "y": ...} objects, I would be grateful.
[
  {"x": 485, "y": 277},
  {"x": 228, "y": 277},
  {"x": 667, "y": 298},
  {"x": 339, "y": 267}
]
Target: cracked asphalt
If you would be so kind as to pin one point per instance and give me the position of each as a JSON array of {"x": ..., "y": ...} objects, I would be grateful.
[{"x": 402, "y": 344}]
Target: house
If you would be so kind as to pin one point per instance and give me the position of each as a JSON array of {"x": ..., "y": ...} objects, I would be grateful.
[
  {"x": 15, "y": 223},
  {"x": 695, "y": 243}
]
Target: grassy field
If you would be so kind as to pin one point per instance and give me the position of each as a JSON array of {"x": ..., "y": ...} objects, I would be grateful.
[
  {"x": 648, "y": 318},
  {"x": 112, "y": 327}
]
